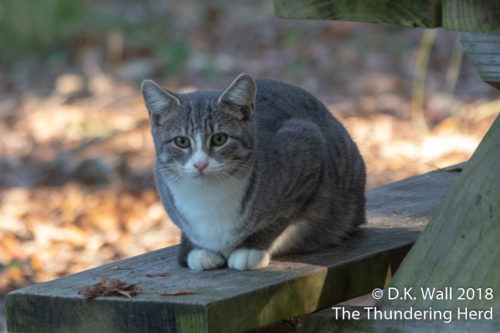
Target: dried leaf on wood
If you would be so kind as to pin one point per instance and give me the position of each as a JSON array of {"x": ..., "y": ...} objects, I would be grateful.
[
  {"x": 120, "y": 268},
  {"x": 110, "y": 287},
  {"x": 177, "y": 293},
  {"x": 157, "y": 275}
]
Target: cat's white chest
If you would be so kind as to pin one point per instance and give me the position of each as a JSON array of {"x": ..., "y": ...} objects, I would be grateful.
[{"x": 213, "y": 211}]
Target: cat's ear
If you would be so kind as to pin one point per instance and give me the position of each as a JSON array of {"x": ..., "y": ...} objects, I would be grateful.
[
  {"x": 158, "y": 101},
  {"x": 239, "y": 97}
]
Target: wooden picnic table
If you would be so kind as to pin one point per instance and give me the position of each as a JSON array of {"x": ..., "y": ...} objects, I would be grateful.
[
  {"x": 478, "y": 19},
  {"x": 461, "y": 245},
  {"x": 226, "y": 300},
  {"x": 458, "y": 248}
]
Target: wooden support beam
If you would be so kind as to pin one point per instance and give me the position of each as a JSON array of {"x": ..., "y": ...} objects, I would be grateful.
[
  {"x": 484, "y": 52},
  {"x": 325, "y": 321},
  {"x": 460, "y": 247},
  {"x": 479, "y": 19},
  {"x": 472, "y": 15},
  {"x": 226, "y": 300},
  {"x": 464, "y": 15},
  {"x": 422, "y": 13}
]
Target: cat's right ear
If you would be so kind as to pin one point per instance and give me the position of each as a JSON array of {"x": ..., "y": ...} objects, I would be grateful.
[
  {"x": 239, "y": 97},
  {"x": 158, "y": 101}
]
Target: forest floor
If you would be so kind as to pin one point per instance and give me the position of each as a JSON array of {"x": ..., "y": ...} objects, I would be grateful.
[{"x": 76, "y": 182}]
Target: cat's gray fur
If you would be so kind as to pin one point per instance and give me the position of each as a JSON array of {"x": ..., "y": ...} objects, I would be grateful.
[{"x": 293, "y": 177}]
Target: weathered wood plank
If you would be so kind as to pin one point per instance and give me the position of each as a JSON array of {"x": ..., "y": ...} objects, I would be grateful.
[
  {"x": 228, "y": 300},
  {"x": 463, "y": 15},
  {"x": 479, "y": 19},
  {"x": 325, "y": 321},
  {"x": 422, "y": 13},
  {"x": 460, "y": 247},
  {"x": 472, "y": 15},
  {"x": 484, "y": 52}
]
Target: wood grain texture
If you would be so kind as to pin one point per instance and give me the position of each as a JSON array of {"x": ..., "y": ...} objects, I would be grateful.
[
  {"x": 463, "y": 15},
  {"x": 460, "y": 247},
  {"x": 422, "y": 13},
  {"x": 228, "y": 300},
  {"x": 484, "y": 52},
  {"x": 324, "y": 321},
  {"x": 477, "y": 16},
  {"x": 472, "y": 15}
]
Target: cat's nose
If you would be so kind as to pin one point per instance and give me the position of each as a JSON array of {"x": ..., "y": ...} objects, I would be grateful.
[{"x": 200, "y": 166}]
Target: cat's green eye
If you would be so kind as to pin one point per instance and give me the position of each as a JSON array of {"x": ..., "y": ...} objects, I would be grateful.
[
  {"x": 219, "y": 139},
  {"x": 181, "y": 141}
]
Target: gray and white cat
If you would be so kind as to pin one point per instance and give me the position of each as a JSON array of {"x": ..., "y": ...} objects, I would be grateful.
[{"x": 259, "y": 169}]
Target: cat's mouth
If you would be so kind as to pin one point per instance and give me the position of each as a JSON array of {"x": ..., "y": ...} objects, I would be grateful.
[
  {"x": 199, "y": 176},
  {"x": 180, "y": 174},
  {"x": 203, "y": 173}
]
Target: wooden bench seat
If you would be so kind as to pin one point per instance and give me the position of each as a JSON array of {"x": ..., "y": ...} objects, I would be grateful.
[{"x": 226, "y": 300}]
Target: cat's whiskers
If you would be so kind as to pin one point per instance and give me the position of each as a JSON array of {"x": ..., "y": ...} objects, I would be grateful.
[
  {"x": 171, "y": 172},
  {"x": 244, "y": 167},
  {"x": 230, "y": 179},
  {"x": 238, "y": 167}
]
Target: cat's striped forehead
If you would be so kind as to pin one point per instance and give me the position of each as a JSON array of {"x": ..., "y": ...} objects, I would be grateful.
[{"x": 199, "y": 113}]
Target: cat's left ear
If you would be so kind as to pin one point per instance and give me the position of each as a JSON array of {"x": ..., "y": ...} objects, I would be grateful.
[
  {"x": 158, "y": 101},
  {"x": 239, "y": 97}
]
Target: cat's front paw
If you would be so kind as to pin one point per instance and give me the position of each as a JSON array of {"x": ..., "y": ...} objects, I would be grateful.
[
  {"x": 243, "y": 259},
  {"x": 200, "y": 260}
]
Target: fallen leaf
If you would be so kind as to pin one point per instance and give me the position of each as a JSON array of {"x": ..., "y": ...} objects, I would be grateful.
[
  {"x": 124, "y": 293},
  {"x": 110, "y": 287},
  {"x": 119, "y": 268},
  {"x": 157, "y": 275},
  {"x": 177, "y": 293},
  {"x": 388, "y": 276}
]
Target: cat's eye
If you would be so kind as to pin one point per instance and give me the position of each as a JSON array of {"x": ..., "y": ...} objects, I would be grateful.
[
  {"x": 181, "y": 141},
  {"x": 219, "y": 139}
]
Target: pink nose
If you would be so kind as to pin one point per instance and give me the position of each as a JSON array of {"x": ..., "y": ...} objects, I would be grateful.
[{"x": 200, "y": 166}]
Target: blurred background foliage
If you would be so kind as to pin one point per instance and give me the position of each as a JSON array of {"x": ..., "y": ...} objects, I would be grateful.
[
  {"x": 76, "y": 182},
  {"x": 30, "y": 28},
  {"x": 51, "y": 28}
]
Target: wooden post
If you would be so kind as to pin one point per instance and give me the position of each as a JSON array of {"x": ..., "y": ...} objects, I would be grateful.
[{"x": 460, "y": 246}]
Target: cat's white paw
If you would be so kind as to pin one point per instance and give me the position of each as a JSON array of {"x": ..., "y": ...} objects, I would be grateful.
[
  {"x": 199, "y": 260},
  {"x": 243, "y": 259}
]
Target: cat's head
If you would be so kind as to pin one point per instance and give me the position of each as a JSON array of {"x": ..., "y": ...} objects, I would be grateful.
[{"x": 202, "y": 135}]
